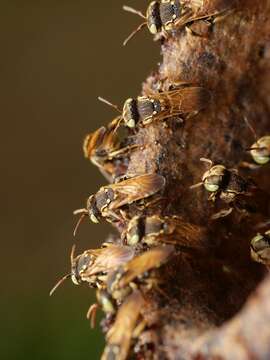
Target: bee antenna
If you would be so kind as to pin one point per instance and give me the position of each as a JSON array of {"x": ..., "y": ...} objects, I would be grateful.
[
  {"x": 110, "y": 104},
  {"x": 134, "y": 11},
  {"x": 139, "y": 28},
  {"x": 72, "y": 254},
  {"x": 196, "y": 185},
  {"x": 81, "y": 218},
  {"x": 59, "y": 283},
  {"x": 251, "y": 128},
  {"x": 208, "y": 161}
]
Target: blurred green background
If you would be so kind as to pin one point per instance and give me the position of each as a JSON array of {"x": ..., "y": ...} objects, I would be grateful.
[{"x": 56, "y": 58}]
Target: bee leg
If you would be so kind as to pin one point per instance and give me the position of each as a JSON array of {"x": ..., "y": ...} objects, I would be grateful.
[
  {"x": 248, "y": 165},
  {"x": 212, "y": 197},
  {"x": 112, "y": 214},
  {"x": 139, "y": 329},
  {"x": 153, "y": 283},
  {"x": 120, "y": 152},
  {"x": 220, "y": 16},
  {"x": 91, "y": 314},
  {"x": 222, "y": 213},
  {"x": 194, "y": 30}
]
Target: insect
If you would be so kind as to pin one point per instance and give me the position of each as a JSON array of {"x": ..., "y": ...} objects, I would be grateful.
[
  {"x": 260, "y": 248},
  {"x": 121, "y": 282},
  {"x": 143, "y": 110},
  {"x": 260, "y": 150},
  {"x": 92, "y": 267},
  {"x": 104, "y": 301},
  {"x": 224, "y": 183},
  {"x": 152, "y": 230},
  {"x": 124, "y": 328},
  {"x": 112, "y": 197},
  {"x": 103, "y": 145},
  {"x": 159, "y": 106},
  {"x": 163, "y": 16}
]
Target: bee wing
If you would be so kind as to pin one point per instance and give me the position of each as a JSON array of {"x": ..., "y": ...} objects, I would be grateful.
[
  {"x": 151, "y": 259},
  {"x": 186, "y": 100},
  {"x": 92, "y": 141},
  {"x": 111, "y": 140},
  {"x": 187, "y": 235},
  {"x": 137, "y": 188},
  {"x": 109, "y": 258},
  {"x": 120, "y": 334}
]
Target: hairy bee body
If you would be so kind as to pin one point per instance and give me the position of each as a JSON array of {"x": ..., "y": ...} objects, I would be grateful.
[
  {"x": 164, "y": 16},
  {"x": 144, "y": 110},
  {"x": 260, "y": 248},
  {"x": 226, "y": 184},
  {"x": 112, "y": 197},
  {"x": 153, "y": 230},
  {"x": 92, "y": 266},
  {"x": 223, "y": 182}
]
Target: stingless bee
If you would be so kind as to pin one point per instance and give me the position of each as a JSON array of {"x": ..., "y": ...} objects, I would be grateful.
[
  {"x": 122, "y": 281},
  {"x": 164, "y": 16},
  {"x": 260, "y": 248},
  {"x": 114, "y": 196},
  {"x": 125, "y": 328},
  {"x": 145, "y": 109},
  {"x": 224, "y": 183},
  {"x": 152, "y": 230},
  {"x": 103, "y": 145},
  {"x": 92, "y": 267},
  {"x": 159, "y": 106},
  {"x": 122, "y": 287},
  {"x": 260, "y": 150}
]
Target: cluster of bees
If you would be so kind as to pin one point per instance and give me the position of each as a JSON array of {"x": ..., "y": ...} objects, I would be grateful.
[{"x": 123, "y": 271}]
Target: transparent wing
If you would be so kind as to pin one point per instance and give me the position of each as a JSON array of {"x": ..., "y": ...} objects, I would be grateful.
[{"x": 145, "y": 262}]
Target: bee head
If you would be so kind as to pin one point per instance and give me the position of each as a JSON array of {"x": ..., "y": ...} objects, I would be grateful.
[
  {"x": 214, "y": 178},
  {"x": 79, "y": 265},
  {"x": 130, "y": 113},
  {"x": 93, "y": 211},
  {"x": 260, "y": 151},
  {"x": 154, "y": 23}
]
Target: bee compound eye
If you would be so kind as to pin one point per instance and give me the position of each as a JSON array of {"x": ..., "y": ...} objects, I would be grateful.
[
  {"x": 211, "y": 187},
  {"x": 74, "y": 279}
]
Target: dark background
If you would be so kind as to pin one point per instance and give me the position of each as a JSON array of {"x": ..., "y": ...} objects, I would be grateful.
[{"x": 56, "y": 58}]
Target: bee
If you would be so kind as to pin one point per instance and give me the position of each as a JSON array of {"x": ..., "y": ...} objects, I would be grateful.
[
  {"x": 159, "y": 106},
  {"x": 152, "y": 230},
  {"x": 224, "y": 183},
  {"x": 164, "y": 16},
  {"x": 112, "y": 197},
  {"x": 124, "y": 328},
  {"x": 121, "y": 282},
  {"x": 260, "y": 248},
  {"x": 260, "y": 150},
  {"x": 143, "y": 110},
  {"x": 92, "y": 267},
  {"x": 103, "y": 145}
]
